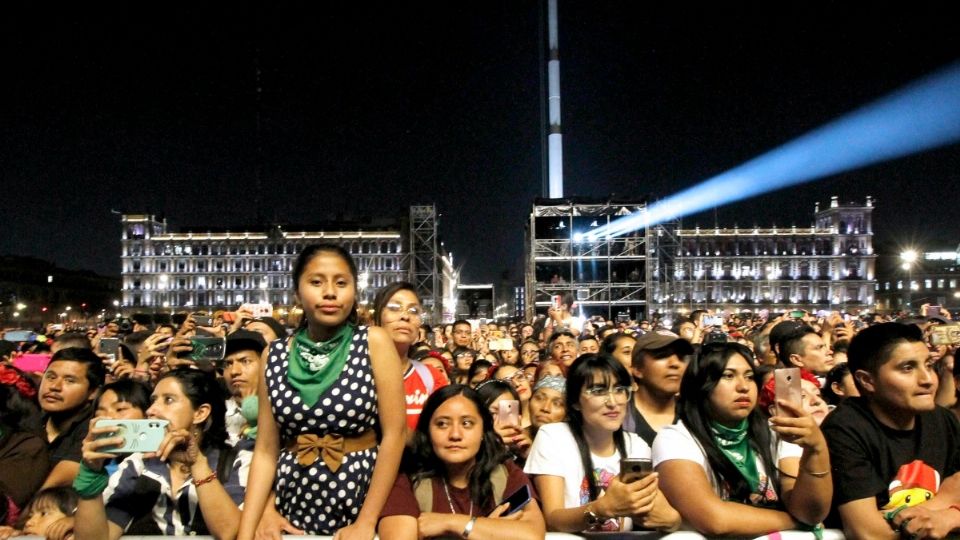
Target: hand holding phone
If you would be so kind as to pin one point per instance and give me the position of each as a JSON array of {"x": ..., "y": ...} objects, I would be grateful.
[{"x": 517, "y": 500}]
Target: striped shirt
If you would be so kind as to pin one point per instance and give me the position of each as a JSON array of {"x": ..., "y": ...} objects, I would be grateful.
[{"x": 141, "y": 487}]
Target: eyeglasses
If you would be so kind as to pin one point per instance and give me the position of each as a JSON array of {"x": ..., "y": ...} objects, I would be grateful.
[
  {"x": 397, "y": 309},
  {"x": 518, "y": 376},
  {"x": 618, "y": 394}
]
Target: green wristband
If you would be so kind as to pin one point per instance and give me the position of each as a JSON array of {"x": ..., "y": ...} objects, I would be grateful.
[{"x": 90, "y": 483}]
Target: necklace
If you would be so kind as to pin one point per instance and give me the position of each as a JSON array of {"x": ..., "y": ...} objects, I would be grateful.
[{"x": 450, "y": 500}]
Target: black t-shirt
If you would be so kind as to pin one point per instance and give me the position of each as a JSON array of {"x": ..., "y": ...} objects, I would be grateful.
[
  {"x": 636, "y": 423},
  {"x": 68, "y": 446},
  {"x": 866, "y": 455}
]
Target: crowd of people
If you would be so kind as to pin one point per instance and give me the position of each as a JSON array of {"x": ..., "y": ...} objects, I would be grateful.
[{"x": 353, "y": 422}]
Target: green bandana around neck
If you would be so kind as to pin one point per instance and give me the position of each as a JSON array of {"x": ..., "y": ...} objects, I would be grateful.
[
  {"x": 734, "y": 444},
  {"x": 313, "y": 367}
]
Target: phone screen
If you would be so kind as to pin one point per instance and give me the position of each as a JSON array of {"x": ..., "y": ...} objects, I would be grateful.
[{"x": 517, "y": 500}]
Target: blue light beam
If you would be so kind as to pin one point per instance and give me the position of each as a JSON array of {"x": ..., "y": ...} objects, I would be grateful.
[{"x": 921, "y": 116}]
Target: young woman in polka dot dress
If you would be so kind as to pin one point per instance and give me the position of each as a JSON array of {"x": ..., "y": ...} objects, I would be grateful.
[{"x": 329, "y": 390}]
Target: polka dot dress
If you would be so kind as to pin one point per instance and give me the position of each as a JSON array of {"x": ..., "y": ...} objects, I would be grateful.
[{"x": 314, "y": 498}]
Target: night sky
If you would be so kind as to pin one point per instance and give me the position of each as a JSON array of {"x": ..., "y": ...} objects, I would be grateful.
[{"x": 364, "y": 111}]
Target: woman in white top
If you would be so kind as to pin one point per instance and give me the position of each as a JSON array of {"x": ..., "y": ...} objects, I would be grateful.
[
  {"x": 576, "y": 463},
  {"x": 723, "y": 469}
]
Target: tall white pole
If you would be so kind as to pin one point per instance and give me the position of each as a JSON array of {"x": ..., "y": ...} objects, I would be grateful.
[{"x": 555, "y": 138}]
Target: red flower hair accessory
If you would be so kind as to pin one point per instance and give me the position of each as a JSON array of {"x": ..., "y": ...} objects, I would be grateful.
[{"x": 14, "y": 378}]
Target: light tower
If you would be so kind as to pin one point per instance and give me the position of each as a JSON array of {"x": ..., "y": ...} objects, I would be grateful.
[{"x": 554, "y": 137}]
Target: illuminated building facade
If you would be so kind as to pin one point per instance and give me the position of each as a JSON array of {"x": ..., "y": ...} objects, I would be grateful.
[
  {"x": 162, "y": 269},
  {"x": 904, "y": 283},
  {"x": 828, "y": 266}
]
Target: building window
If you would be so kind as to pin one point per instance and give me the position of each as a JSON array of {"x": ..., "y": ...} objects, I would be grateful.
[
  {"x": 136, "y": 266},
  {"x": 163, "y": 266},
  {"x": 928, "y": 283},
  {"x": 237, "y": 282},
  {"x": 940, "y": 283},
  {"x": 201, "y": 266}
]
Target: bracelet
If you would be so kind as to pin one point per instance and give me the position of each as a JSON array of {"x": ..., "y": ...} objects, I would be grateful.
[
  {"x": 206, "y": 480},
  {"x": 817, "y": 474},
  {"x": 469, "y": 528}
]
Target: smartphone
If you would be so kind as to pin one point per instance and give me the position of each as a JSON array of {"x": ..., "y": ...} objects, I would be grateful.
[
  {"x": 261, "y": 309},
  {"x": 19, "y": 335},
  {"x": 557, "y": 301},
  {"x": 500, "y": 344},
  {"x": 207, "y": 350},
  {"x": 203, "y": 320},
  {"x": 633, "y": 469},
  {"x": 517, "y": 500},
  {"x": 715, "y": 320},
  {"x": 798, "y": 314},
  {"x": 931, "y": 311},
  {"x": 229, "y": 317},
  {"x": 138, "y": 435},
  {"x": 56, "y": 327},
  {"x": 509, "y": 413},
  {"x": 945, "y": 334},
  {"x": 787, "y": 381},
  {"x": 109, "y": 347}
]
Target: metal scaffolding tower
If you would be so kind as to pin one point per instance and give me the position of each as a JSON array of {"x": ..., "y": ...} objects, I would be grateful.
[
  {"x": 605, "y": 277},
  {"x": 663, "y": 248},
  {"x": 424, "y": 272}
]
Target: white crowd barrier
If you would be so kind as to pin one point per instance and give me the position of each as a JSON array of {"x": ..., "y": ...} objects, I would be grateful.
[{"x": 828, "y": 534}]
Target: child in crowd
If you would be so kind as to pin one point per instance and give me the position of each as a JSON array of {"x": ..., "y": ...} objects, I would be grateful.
[{"x": 49, "y": 513}]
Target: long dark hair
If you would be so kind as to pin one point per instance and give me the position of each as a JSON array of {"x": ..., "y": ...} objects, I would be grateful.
[
  {"x": 699, "y": 381},
  {"x": 307, "y": 255},
  {"x": 421, "y": 463},
  {"x": 580, "y": 375},
  {"x": 202, "y": 388}
]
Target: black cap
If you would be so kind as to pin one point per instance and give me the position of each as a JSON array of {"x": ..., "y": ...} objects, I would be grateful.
[{"x": 244, "y": 340}]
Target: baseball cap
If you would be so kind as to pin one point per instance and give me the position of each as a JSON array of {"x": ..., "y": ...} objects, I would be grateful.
[{"x": 658, "y": 339}]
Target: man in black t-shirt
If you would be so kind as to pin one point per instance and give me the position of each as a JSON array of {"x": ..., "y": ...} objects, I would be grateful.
[
  {"x": 894, "y": 453},
  {"x": 658, "y": 362}
]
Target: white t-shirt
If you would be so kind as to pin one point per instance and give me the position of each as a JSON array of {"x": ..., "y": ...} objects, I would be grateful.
[
  {"x": 554, "y": 452},
  {"x": 676, "y": 442}
]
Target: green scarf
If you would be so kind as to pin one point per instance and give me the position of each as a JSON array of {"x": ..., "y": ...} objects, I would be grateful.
[
  {"x": 313, "y": 367},
  {"x": 734, "y": 444}
]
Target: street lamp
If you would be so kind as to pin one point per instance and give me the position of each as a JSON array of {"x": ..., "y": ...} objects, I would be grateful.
[{"x": 908, "y": 258}]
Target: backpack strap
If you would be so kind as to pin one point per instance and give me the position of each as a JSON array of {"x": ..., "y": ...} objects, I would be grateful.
[
  {"x": 424, "y": 372},
  {"x": 423, "y": 492},
  {"x": 498, "y": 478}
]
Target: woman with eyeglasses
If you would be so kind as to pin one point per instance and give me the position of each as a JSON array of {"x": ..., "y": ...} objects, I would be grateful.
[
  {"x": 397, "y": 309},
  {"x": 722, "y": 468},
  {"x": 463, "y": 358},
  {"x": 576, "y": 463},
  {"x": 518, "y": 378}
]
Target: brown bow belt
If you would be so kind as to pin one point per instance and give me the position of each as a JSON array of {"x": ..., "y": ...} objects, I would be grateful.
[{"x": 330, "y": 448}]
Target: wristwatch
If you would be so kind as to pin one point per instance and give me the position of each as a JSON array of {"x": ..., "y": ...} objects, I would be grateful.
[
  {"x": 593, "y": 519},
  {"x": 469, "y": 528}
]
